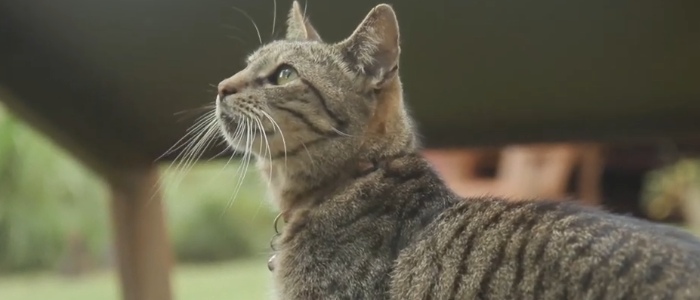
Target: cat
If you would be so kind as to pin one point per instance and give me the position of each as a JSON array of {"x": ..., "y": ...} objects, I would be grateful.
[{"x": 368, "y": 218}]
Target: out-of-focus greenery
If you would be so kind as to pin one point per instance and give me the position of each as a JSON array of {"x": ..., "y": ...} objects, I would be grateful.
[
  {"x": 240, "y": 279},
  {"x": 209, "y": 222},
  {"x": 667, "y": 188},
  {"x": 47, "y": 198}
]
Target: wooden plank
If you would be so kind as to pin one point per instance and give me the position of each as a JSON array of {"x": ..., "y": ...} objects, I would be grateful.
[{"x": 143, "y": 247}]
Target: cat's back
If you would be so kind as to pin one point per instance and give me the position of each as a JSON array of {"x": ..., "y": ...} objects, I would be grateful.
[{"x": 495, "y": 249}]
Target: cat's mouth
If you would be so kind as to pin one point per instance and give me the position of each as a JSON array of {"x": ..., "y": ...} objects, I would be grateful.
[{"x": 237, "y": 126}]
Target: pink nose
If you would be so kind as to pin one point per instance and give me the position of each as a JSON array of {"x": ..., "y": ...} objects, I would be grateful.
[
  {"x": 232, "y": 85},
  {"x": 227, "y": 88}
]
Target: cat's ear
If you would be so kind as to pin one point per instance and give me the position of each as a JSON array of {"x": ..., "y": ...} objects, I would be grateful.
[
  {"x": 298, "y": 27},
  {"x": 373, "y": 49}
]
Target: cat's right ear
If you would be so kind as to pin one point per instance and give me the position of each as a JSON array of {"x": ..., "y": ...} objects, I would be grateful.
[
  {"x": 299, "y": 27},
  {"x": 373, "y": 49}
]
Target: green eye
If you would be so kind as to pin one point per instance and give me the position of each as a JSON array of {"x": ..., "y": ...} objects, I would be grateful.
[{"x": 284, "y": 75}]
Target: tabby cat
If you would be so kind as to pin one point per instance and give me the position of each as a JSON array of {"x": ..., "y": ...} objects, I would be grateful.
[{"x": 368, "y": 218}]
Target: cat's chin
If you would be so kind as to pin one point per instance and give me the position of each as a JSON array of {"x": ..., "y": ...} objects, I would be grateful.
[{"x": 245, "y": 144}]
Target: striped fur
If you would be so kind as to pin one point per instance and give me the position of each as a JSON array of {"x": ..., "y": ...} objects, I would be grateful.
[{"x": 368, "y": 218}]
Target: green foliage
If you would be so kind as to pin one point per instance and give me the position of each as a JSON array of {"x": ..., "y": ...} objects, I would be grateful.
[
  {"x": 44, "y": 197},
  {"x": 240, "y": 279},
  {"x": 666, "y": 188},
  {"x": 47, "y": 197},
  {"x": 208, "y": 236},
  {"x": 210, "y": 223}
]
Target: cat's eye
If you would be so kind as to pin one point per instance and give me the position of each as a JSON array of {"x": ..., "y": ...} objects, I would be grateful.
[{"x": 283, "y": 75}]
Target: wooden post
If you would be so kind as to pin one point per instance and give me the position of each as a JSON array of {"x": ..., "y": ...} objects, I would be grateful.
[
  {"x": 142, "y": 244},
  {"x": 591, "y": 174}
]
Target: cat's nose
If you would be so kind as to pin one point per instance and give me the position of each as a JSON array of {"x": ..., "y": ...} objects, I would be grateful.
[
  {"x": 230, "y": 86},
  {"x": 226, "y": 89}
]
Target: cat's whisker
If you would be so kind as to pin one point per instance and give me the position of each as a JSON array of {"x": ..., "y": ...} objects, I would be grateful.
[
  {"x": 266, "y": 155},
  {"x": 235, "y": 136},
  {"x": 251, "y": 21},
  {"x": 306, "y": 2},
  {"x": 159, "y": 184},
  {"x": 202, "y": 137},
  {"x": 274, "y": 18},
  {"x": 277, "y": 126},
  {"x": 261, "y": 129},
  {"x": 196, "y": 109},
  {"x": 228, "y": 161},
  {"x": 187, "y": 139},
  {"x": 237, "y": 39},
  {"x": 200, "y": 146},
  {"x": 187, "y": 113},
  {"x": 195, "y": 135},
  {"x": 235, "y": 36},
  {"x": 313, "y": 163},
  {"x": 342, "y": 133},
  {"x": 188, "y": 135},
  {"x": 179, "y": 164},
  {"x": 243, "y": 167},
  {"x": 268, "y": 152},
  {"x": 238, "y": 137},
  {"x": 239, "y": 171},
  {"x": 236, "y": 28},
  {"x": 219, "y": 154},
  {"x": 203, "y": 143}
]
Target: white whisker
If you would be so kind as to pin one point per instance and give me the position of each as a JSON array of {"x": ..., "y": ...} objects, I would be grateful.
[
  {"x": 218, "y": 154},
  {"x": 268, "y": 152},
  {"x": 274, "y": 17},
  {"x": 236, "y": 136},
  {"x": 196, "y": 133},
  {"x": 277, "y": 127},
  {"x": 313, "y": 163},
  {"x": 199, "y": 122},
  {"x": 306, "y": 2},
  {"x": 243, "y": 168},
  {"x": 237, "y": 39},
  {"x": 197, "y": 149},
  {"x": 341, "y": 133},
  {"x": 251, "y": 21},
  {"x": 200, "y": 133}
]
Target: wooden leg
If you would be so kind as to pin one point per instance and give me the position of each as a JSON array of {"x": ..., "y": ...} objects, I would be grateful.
[
  {"x": 458, "y": 168},
  {"x": 557, "y": 163},
  {"x": 591, "y": 173},
  {"x": 143, "y": 247}
]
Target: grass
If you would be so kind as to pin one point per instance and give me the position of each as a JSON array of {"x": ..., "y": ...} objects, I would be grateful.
[{"x": 243, "y": 279}]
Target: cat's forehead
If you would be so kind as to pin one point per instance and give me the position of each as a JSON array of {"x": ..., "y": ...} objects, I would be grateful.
[{"x": 277, "y": 51}]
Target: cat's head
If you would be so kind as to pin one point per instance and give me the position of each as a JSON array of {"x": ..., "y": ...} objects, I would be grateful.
[{"x": 301, "y": 96}]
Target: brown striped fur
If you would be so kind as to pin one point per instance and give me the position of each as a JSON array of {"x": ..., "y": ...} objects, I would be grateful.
[{"x": 368, "y": 218}]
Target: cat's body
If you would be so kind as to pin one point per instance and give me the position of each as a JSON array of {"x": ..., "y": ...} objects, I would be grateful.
[
  {"x": 368, "y": 218},
  {"x": 403, "y": 235}
]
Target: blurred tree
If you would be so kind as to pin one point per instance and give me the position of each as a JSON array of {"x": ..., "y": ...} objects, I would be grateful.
[
  {"x": 53, "y": 210},
  {"x": 672, "y": 190},
  {"x": 45, "y": 196},
  {"x": 209, "y": 220}
]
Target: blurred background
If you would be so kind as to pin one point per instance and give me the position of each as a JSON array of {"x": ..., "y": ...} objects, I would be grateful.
[
  {"x": 56, "y": 237},
  {"x": 587, "y": 101}
]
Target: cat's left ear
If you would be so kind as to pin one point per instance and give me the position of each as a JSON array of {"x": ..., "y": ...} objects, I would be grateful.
[
  {"x": 298, "y": 27},
  {"x": 373, "y": 49}
]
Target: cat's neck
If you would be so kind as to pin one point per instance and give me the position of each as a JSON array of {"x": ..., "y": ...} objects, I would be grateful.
[
  {"x": 303, "y": 181},
  {"x": 296, "y": 184}
]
